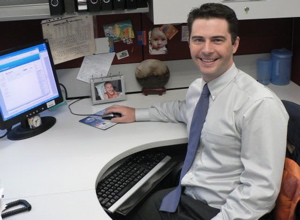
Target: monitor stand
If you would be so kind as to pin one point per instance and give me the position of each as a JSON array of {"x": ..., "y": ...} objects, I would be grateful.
[{"x": 23, "y": 131}]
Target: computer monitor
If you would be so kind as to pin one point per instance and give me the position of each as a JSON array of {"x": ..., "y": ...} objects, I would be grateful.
[{"x": 28, "y": 86}]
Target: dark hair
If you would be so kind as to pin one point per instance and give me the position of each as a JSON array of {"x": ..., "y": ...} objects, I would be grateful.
[
  {"x": 215, "y": 10},
  {"x": 108, "y": 82}
]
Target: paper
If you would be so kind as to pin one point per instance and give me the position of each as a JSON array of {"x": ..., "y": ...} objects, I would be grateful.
[
  {"x": 2, "y": 205},
  {"x": 95, "y": 66},
  {"x": 102, "y": 45},
  {"x": 69, "y": 38}
]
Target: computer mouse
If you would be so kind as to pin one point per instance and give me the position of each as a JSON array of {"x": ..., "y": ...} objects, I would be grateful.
[{"x": 111, "y": 115}]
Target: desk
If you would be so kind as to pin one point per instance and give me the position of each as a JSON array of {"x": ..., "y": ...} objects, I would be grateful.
[{"x": 57, "y": 171}]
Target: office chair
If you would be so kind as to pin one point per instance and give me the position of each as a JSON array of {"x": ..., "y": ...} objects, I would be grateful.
[
  {"x": 293, "y": 135},
  {"x": 288, "y": 201}
]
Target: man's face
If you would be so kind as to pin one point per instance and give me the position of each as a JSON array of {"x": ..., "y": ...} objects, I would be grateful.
[{"x": 211, "y": 47}]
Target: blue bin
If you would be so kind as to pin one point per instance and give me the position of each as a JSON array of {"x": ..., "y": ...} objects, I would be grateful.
[{"x": 281, "y": 66}]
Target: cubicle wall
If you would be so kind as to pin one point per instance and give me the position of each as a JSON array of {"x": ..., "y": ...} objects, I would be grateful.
[
  {"x": 296, "y": 52},
  {"x": 257, "y": 36}
]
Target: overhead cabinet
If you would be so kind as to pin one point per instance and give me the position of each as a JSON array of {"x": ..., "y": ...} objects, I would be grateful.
[
  {"x": 176, "y": 11},
  {"x": 11, "y": 10}
]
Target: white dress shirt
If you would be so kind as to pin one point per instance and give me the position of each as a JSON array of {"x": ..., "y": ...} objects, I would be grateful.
[{"x": 239, "y": 162}]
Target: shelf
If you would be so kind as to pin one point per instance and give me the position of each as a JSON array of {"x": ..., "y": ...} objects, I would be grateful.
[{"x": 41, "y": 11}]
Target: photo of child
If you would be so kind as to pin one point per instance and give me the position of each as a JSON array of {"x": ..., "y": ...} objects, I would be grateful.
[
  {"x": 157, "y": 42},
  {"x": 110, "y": 91}
]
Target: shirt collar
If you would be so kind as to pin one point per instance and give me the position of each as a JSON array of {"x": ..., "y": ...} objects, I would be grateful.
[{"x": 218, "y": 84}]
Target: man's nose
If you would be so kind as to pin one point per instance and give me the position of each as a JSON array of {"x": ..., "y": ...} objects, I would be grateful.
[{"x": 208, "y": 47}]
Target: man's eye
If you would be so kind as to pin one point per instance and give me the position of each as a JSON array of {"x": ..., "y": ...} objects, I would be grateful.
[
  {"x": 197, "y": 40},
  {"x": 217, "y": 40}
]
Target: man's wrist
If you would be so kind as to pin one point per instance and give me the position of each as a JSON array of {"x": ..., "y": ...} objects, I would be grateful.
[{"x": 142, "y": 114}]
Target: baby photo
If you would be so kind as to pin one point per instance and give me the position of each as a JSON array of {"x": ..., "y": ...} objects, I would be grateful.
[{"x": 157, "y": 42}]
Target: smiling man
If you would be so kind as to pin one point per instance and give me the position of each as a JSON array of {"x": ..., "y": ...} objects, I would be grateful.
[
  {"x": 237, "y": 170},
  {"x": 211, "y": 47}
]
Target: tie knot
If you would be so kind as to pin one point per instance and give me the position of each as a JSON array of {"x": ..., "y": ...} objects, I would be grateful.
[{"x": 205, "y": 91}]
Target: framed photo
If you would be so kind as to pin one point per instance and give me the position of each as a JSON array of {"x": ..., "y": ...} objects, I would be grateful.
[{"x": 108, "y": 89}]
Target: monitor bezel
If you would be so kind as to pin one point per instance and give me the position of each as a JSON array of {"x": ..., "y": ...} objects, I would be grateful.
[{"x": 9, "y": 123}]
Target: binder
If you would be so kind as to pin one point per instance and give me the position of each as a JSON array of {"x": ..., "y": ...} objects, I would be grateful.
[
  {"x": 93, "y": 5},
  {"x": 70, "y": 6},
  {"x": 106, "y": 5},
  {"x": 131, "y": 4},
  {"x": 119, "y": 4},
  {"x": 57, "y": 7},
  {"x": 81, "y": 5},
  {"x": 142, "y": 3}
]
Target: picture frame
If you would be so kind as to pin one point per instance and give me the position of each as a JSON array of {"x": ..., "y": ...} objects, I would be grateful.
[{"x": 107, "y": 89}]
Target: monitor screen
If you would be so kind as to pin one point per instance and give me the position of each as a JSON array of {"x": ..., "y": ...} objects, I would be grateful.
[{"x": 28, "y": 86}]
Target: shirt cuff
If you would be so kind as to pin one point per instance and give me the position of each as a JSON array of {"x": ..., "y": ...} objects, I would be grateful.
[{"x": 142, "y": 114}]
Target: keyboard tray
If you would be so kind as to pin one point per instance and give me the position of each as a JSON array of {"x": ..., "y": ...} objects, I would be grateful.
[{"x": 160, "y": 166}]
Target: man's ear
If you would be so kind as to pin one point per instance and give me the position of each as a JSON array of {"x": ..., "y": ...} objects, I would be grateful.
[{"x": 236, "y": 44}]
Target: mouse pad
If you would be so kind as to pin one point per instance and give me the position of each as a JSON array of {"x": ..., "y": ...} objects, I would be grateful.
[{"x": 97, "y": 121}]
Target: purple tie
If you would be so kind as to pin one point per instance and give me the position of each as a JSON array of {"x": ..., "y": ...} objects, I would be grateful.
[{"x": 171, "y": 200}]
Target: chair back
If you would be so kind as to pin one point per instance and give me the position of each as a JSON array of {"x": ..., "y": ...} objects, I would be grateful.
[
  {"x": 293, "y": 135},
  {"x": 287, "y": 203}
]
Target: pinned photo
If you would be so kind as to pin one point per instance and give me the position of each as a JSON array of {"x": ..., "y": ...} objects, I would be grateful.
[
  {"x": 118, "y": 31},
  {"x": 184, "y": 33},
  {"x": 122, "y": 54},
  {"x": 169, "y": 30},
  {"x": 157, "y": 42}
]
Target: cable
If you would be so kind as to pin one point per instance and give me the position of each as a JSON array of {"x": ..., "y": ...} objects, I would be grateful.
[
  {"x": 69, "y": 106},
  {"x": 66, "y": 92},
  {"x": 4, "y": 134},
  {"x": 7, "y": 130}
]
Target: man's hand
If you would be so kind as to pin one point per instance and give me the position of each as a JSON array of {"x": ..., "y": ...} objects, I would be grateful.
[{"x": 128, "y": 113}]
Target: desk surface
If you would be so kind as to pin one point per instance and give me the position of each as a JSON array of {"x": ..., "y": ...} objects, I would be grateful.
[{"x": 57, "y": 171}]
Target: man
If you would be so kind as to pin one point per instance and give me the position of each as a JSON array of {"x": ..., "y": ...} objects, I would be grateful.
[{"x": 237, "y": 171}]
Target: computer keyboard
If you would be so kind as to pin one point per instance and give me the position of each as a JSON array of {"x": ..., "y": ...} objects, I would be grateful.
[{"x": 126, "y": 185}]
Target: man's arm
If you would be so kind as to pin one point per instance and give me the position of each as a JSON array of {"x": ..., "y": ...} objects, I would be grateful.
[
  {"x": 171, "y": 111},
  {"x": 264, "y": 129}
]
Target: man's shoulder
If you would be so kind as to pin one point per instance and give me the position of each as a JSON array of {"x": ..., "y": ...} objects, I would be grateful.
[{"x": 252, "y": 88}]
